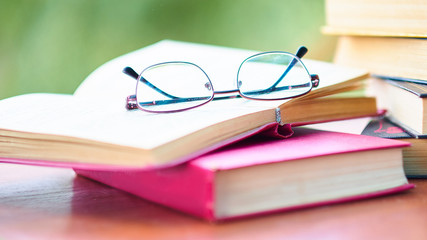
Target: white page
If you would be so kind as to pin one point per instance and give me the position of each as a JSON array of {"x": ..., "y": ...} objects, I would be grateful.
[
  {"x": 354, "y": 126},
  {"x": 108, "y": 82},
  {"x": 69, "y": 116},
  {"x": 221, "y": 64}
]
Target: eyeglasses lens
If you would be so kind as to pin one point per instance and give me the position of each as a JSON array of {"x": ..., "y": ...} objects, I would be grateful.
[
  {"x": 274, "y": 75},
  {"x": 173, "y": 86}
]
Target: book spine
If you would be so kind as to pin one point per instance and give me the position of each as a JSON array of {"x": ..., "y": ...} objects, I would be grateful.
[{"x": 187, "y": 188}]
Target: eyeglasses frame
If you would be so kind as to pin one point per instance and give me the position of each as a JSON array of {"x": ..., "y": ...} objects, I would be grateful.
[{"x": 132, "y": 103}]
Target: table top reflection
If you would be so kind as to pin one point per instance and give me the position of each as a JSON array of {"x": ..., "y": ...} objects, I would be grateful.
[{"x": 51, "y": 203}]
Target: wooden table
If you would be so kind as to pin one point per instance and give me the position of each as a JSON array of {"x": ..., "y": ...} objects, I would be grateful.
[{"x": 48, "y": 203}]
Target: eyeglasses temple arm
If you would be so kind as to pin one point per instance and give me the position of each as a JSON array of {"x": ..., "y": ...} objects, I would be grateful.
[
  {"x": 132, "y": 104},
  {"x": 130, "y": 72},
  {"x": 300, "y": 53},
  {"x": 289, "y": 87},
  {"x": 179, "y": 100}
]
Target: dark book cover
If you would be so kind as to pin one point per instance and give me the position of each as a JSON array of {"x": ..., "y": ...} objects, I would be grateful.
[
  {"x": 417, "y": 87},
  {"x": 414, "y": 159},
  {"x": 384, "y": 128},
  {"x": 387, "y": 127}
]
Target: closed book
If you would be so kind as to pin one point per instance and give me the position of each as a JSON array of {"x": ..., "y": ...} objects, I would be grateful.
[
  {"x": 401, "y": 18},
  {"x": 385, "y": 57},
  {"x": 414, "y": 157},
  {"x": 405, "y": 102},
  {"x": 263, "y": 175}
]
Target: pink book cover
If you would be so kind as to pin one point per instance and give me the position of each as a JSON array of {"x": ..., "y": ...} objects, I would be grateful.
[{"x": 190, "y": 188}]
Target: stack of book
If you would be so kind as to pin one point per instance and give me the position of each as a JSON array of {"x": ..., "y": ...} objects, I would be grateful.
[
  {"x": 228, "y": 159},
  {"x": 388, "y": 38}
]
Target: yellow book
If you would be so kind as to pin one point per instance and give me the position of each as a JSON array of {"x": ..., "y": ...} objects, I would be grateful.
[
  {"x": 392, "y": 18},
  {"x": 398, "y": 58}
]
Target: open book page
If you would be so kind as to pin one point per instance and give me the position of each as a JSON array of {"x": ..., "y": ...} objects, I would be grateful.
[
  {"x": 95, "y": 120},
  {"x": 97, "y": 109},
  {"x": 220, "y": 64},
  {"x": 66, "y": 115}
]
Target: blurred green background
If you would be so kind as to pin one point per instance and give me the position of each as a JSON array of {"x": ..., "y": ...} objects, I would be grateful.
[{"x": 52, "y": 45}]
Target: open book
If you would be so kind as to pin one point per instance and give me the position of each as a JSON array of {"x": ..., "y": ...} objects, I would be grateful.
[{"x": 93, "y": 127}]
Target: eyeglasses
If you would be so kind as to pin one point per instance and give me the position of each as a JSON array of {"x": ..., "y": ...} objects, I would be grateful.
[{"x": 178, "y": 86}]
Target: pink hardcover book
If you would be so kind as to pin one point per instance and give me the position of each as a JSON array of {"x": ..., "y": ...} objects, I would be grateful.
[{"x": 262, "y": 175}]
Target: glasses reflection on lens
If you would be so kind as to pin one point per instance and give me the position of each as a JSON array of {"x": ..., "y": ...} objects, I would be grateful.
[
  {"x": 173, "y": 86},
  {"x": 273, "y": 76}
]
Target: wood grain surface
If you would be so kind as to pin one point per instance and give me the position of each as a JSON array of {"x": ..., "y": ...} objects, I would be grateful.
[{"x": 49, "y": 203}]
